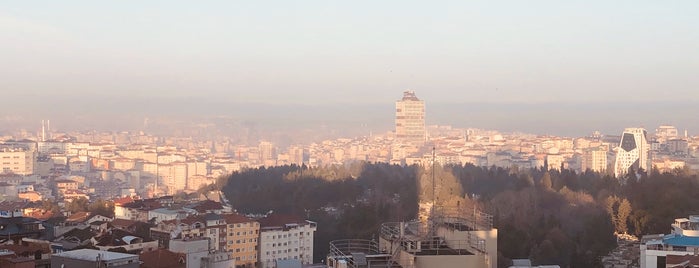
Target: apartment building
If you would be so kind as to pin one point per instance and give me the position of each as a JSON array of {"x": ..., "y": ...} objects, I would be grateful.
[
  {"x": 242, "y": 239},
  {"x": 285, "y": 237},
  {"x": 17, "y": 161}
]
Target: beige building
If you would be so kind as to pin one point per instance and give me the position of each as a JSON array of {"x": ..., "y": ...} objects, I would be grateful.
[
  {"x": 242, "y": 239},
  {"x": 410, "y": 118},
  {"x": 232, "y": 233},
  {"x": 594, "y": 159},
  {"x": 17, "y": 161}
]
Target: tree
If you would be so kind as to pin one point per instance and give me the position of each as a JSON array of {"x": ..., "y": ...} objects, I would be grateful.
[
  {"x": 546, "y": 181},
  {"x": 623, "y": 215},
  {"x": 47, "y": 205},
  {"x": 101, "y": 207},
  {"x": 78, "y": 205}
]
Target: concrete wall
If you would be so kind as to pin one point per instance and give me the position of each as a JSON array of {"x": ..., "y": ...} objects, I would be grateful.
[
  {"x": 448, "y": 261},
  {"x": 490, "y": 237}
]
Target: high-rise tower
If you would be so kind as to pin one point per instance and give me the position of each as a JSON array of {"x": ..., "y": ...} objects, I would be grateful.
[
  {"x": 410, "y": 118},
  {"x": 633, "y": 151}
]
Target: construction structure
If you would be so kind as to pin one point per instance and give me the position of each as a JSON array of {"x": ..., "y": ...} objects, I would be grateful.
[{"x": 451, "y": 237}]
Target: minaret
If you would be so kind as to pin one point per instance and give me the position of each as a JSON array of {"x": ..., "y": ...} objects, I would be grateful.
[{"x": 43, "y": 131}]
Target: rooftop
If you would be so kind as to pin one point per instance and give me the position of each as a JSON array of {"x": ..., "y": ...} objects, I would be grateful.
[
  {"x": 235, "y": 218},
  {"x": 162, "y": 258},
  {"x": 681, "y": 240},
  {"x": 281, "y": 220},
  {"x": 91, "y": 255},
  {"x": 409, "y": 95}
]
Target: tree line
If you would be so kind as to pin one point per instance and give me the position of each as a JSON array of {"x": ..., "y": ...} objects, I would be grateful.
[{"x": 549, "y": 216}]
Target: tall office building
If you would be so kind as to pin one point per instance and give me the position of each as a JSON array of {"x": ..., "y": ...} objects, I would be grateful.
[
  {"x": 410, "y": 118},
  {"x": 633, "y": 151}
]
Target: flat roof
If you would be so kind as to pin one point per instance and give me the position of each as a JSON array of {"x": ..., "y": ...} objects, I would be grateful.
[
  {"x": 91, "y": 255},
  {"x": 680, "y": 240}
]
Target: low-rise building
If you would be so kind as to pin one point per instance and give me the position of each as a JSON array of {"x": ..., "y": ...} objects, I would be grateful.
[
  {"x": 683, "y": 240},
  {"x": 94, "y": 258},
  {"x": 198, "y": 253}
]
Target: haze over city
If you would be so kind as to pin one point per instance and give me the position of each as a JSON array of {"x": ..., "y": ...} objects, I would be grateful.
[
  {"x": 349, "y": 134},
  {"x": 594, "y": 65}
]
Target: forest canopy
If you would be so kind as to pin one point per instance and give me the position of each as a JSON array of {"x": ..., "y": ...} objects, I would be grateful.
[{"x": 549, "y": 216}]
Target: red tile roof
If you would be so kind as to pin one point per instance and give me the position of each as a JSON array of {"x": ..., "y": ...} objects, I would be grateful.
[
  {"x": 675, "y": 260},
  {"x": 122, "y": 223},
  {"x": 163, "y": 258},
  {"x": 207, "y": 206},
  {"x": 121, "y": 201},
  {"x": 232, "y": 218},
  {"x": 279, "y": 220},
  {"x": 78, "y": 217},
  {"x": 40, "y": 215}
]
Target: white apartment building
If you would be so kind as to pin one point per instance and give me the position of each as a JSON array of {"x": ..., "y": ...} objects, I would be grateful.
[
  {"x": 197, "y": 168},
  {"x": 633, "y": 151},
  {"x": 285, "y": 238},
  {"x": 173, "y": 176},
  {"x": 683, "y": 240}
]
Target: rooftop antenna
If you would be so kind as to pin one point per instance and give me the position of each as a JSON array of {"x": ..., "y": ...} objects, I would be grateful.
[
  {"x": 157, "y": 169},
  {"x": 433, "y": 231},
  {"x": 434, "y": 196}
]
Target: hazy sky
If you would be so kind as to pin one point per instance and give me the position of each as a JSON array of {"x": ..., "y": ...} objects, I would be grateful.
[{"x": 353, "y": 51}]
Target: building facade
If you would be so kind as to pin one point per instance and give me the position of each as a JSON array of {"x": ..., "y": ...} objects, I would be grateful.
[
  {"x": 285, "y": 238},
  {"x": 633, "y": 152},
  {"x": 242, "y": 239},
  {"x": 17, "y": 161},
  {"x": 594, "y": 159},
  {"x": 410, "y": 118}
]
